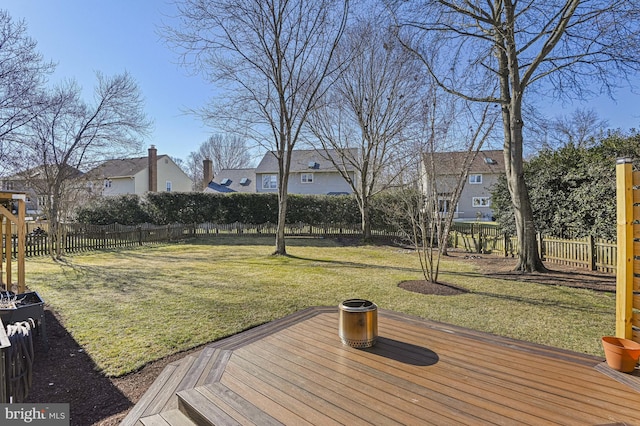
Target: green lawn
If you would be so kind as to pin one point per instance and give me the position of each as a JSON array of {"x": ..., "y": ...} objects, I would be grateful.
[{"x": 129, "y": 307}]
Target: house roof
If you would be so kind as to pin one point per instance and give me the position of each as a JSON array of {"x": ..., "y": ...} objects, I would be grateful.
[
  {"x": 233, "y": 180},
  {"x": 488, "y": 162},
  {"x": 39, "y": 173},
  {"x": 302, "y": 160},
  {"x": 125, "y": 167}
]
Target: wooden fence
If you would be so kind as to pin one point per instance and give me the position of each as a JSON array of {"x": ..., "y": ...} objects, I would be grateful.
[
  {"x": 80, "y": 237},
  {"x": 628, "y": 237},
  {"x": 589, "y": 253}
]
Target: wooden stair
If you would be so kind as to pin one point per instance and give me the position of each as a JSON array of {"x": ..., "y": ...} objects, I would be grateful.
[
  {"x": 160, "y": 405},
  {"x": 215, "y": 404}
]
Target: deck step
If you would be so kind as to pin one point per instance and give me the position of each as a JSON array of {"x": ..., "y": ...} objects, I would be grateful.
[
  {"x": 215, "y": 404},
  {"x": 189, "y": 372},
  {"x": 167, "y": 418},
  {"x": 132, "y": 418}
]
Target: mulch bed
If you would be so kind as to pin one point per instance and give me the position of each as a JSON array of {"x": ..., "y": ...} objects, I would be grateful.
[{"x": 66, "y": 374}]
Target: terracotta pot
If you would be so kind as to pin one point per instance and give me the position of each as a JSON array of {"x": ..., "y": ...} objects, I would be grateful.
[{"x": 621, "y": 354}]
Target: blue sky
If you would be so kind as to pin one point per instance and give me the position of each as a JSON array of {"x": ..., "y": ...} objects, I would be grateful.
[
  {"x": 117, "y": 35},
  {"x": 83, "y": 37}
]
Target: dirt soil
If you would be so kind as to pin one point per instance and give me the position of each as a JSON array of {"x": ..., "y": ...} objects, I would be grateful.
[{"x": 66, "y": 374}]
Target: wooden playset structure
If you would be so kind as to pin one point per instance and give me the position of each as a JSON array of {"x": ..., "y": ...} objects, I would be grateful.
[
  {"x": 12, "y": 214},
  {"x": 628, "y": 240}
]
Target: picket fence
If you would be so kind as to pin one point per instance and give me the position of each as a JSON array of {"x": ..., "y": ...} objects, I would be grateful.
[
  {"x": 588, "y": 253},
  {"x": 81, "y": 237}
]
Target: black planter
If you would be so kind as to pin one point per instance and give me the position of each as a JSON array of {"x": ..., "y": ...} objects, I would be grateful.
[{"x": 28, "y": 305}]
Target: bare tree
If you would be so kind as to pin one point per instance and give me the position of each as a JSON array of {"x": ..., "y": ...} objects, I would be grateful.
[
  {"x": 515, "y": 47},
  {"x": 368, "y": 112},
  {"x": 430, "y": 210},
  {"x": 225, "y": 152},
  {"x": 582, "y": 128},
  {"x": 275, "y": 57},
  {"x": 71, "y": 135},
  {"x": 23, "y": 73}
]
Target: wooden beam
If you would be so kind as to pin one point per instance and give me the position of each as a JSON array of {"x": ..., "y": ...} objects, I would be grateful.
[
  {"x": 21, "y": 236},
  {"x": 8, "y": 252},
  {"x": 624, "y": 275},
  {"x": 22, "y": 243}
]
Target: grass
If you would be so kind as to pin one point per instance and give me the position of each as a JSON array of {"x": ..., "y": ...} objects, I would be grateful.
[{"x": 130, "y": 307}]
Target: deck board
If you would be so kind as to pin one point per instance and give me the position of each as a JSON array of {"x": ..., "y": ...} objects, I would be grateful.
[{"x": 296, "y": 371}]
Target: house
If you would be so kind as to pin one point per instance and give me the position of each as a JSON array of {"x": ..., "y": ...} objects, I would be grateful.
[
  {"x": 153, "y": 173},
  {"x": 311, "y": 172},
  {"x": 35, "y": 183},
  {"x": 475, "y": 200}
]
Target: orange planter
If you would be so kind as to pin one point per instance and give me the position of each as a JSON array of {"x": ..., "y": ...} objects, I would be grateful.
[{"x": 621, "y": 354}]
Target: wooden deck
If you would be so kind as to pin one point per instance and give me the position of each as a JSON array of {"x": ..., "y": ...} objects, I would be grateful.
[{"x": 295, "y": 371}]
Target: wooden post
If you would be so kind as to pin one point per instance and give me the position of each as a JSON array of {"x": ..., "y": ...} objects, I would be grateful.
[
  {"x": 8, "y": 251},
  {"x": 591, "y": 252},
  {"x": 624, "y": 275},
  {"x": 22, "y": 241},
  {"x": 17, "y": 199}
]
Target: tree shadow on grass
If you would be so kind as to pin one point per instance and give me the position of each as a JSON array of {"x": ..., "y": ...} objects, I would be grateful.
[{"x": 66, "y": 374}]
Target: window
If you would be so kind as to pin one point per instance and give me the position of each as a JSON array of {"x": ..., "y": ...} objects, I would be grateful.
[
  {"x": 169, "y": 186},
  {"x": 8, "y": 185},
  {"x": 107, "y": 183},
  {"x": 444, "y": 203},
  {"x": 307, "y": 177},
  {"x": 475, "y": 178},
  {"x": 269, "y": 181},
  {"x": 481, "y": 201}
]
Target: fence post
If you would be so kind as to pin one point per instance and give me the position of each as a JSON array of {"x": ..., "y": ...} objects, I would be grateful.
[
  {"x": 624, "y": 230},
  {"x": 591, "y": 252},
  {"x": 506, "y": 241},
  {"x": 540, "y": 246}
]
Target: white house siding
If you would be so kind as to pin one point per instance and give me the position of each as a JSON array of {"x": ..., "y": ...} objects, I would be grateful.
[
  {"x": 489, "y": 164},
  {"x": 466, "y": 210},
  {"x": 323, "y": 183},
  {"x": 142, "y": 182},
  {"x": 169, "y": 171},
  {"x": 119, "y": 186}
]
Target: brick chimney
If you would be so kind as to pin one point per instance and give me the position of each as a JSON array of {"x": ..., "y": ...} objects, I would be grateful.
[
  {"x": 207, "y": 170},
  {"x": 153, "y": 169}
]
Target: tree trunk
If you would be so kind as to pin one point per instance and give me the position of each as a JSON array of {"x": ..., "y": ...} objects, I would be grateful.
[
  {"x": 283, "y": 182},
  {"x": 281, "y": 249},
  {"x": 511, "y": 92},
  {"x": 366, "y": 221},
  {"x": 528, "y": 255}
]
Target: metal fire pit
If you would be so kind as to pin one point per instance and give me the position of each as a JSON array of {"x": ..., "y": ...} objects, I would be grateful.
[{"x": 358, "y": 323}]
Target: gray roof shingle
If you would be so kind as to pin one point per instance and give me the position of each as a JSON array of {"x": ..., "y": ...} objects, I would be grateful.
[
  {"x": 234, "y": 180},
  {"x": 124, "y": 167},
  {"x": 301, "y": 161},
  {"x": 489, "y": 162}
]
